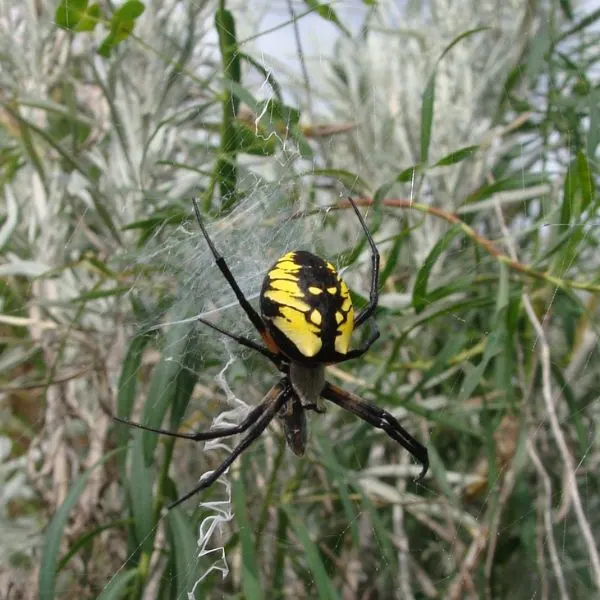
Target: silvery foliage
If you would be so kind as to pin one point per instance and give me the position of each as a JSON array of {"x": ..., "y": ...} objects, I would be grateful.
[
  {"x": 379, "y": 85},
  {"x": 138, "y": 110}
]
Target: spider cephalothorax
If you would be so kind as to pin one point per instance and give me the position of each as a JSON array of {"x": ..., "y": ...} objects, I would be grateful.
[{"x": 306, "y": 323}]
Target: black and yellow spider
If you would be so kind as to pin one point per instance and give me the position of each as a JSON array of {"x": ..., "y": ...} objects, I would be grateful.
[{"x": 306, "y": 323}]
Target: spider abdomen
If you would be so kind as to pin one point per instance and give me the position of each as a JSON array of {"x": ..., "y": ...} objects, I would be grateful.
[{"x": 307, "y": 309}]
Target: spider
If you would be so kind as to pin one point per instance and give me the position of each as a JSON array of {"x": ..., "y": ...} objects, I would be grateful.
[{"x": 306, "y": 323}]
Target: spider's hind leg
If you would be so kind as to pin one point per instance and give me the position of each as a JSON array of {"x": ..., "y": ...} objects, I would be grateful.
[
  {"x": 270, "y": 406},
  {"x": 380, "y": 418}
]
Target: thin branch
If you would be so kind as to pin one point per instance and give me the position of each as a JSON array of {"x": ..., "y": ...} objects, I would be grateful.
[
  {"x": 481, "y": 241},
  {"x": 573, "y": 490},
  {"x": 547, "y": 514}
]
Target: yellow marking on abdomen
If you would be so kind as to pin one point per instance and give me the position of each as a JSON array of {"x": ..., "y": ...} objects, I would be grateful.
[
  {"x": 289, "y": 287},
  {"x": 315, "y": 317},
  {"x": 344, "y": 333},
  {"x": 285, "y": 299},
  {"x": 339, "y": 317},
  {"x": 332, "y": 290},
  {"x": 315, "y": 290},
  {"x": 281, "y": 274},
  {"x": 288, "y": 265},
  {"x": 293, "y": 325},
  {"x": 345, "y": 294}
]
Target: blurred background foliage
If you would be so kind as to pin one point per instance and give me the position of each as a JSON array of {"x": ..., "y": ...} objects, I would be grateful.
[{"x": 468, "y": 132}]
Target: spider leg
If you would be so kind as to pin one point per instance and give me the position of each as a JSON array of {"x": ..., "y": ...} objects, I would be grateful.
[
  {"x": 272, "y": 404},
  {"x": 222, "y": 265},
  {"x": 274, "y": 358},
  {"x": 200, "y": 436},
  {"x": 380, "y": 418},
  {"x": 373, "y": 337},
  {"x": 366, "y": 312}
]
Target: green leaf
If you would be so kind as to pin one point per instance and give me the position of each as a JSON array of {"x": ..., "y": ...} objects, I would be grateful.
[
  {"x": 251, "y": 580},
  {"x": 350, "y": 180},
  {"x": 429, "y": 96},
  {"x": 116, "y": 587},
  {"x": 515, "y": 182},
  {"x": 567, "y": 9},
  {"x": 419, "y": 297},
  {"x": 440, "y": 474},
  {"x": 312, "y": 555},
  {"x": 587, "y": 185},
  {"x": 541, "y": 45},
  {"x": 121, "y": 26},
  {"x": 90, "y": 18},
  {"x": 578, "y": 190},
  {"x": 325, "y": 11},
  {"x": 129, "y": 11},
  {"x": 410, "y": 174},
  {"x": 593, "y": 135},
  {"x": 181, "y": 532},
  {"x": 457, "y": 156},
  {"x": 128, "y": 384},
  {"x": 250, "y": 140},
  {"x": 52, "y": 539},
  {"x": 69, "y": 13},
  {"x": 495, "y": 343},
  {"x": 163, "y": 382},
  {"x": 140, "y": 483},
  {"x": 427, "y": 116}
]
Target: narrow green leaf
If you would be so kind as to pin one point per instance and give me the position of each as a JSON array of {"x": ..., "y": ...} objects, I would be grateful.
[
  {"x": 457, "y": 156},
  {"x": 419, "y": 296},
  {"x": 540, "y": 46},
  {"x": 593, "y": 135},
  {"x": 312, "y": 555},
  {"x": 450, "y": 349},
  {"x": 587, "y": 184},
  {"x": 429, "y": 96},
  {"x": 502, "y": 298},
  {"x": 567, "y": 9},
  {"x": 182, "y": 536},
  {"x": 117, "y": 586},
  {"x": 90, "y": 18},
  {"x": 140, "y": 483},
  {"x": 52, "y": 539},
  {"x": 278, "y": 580},
  {"x": 582, "y": 24},
  {"x": 251, "y": 580},
  {"x": 514, "y": 182},
  {"x": 326, "y": 12},
  {"x": 440, "y": 474},
  {"x": 68, "y": 14},
  {"x": 249, "y": 140},
  {"x": 427, "y": 116},
  {"x": 128, "y": 384},
  {"x": 122, "y": 24},
  {"x": 351, "y": 180},
  {"x": 163, "y": 382},
  {"x": 461, "y": 37},
  {"x": 410, "y": 174},
  {"x": 87, "y": 539},
  {"x": 495, "y": 344},
  {"x": 129, "y": 11}
]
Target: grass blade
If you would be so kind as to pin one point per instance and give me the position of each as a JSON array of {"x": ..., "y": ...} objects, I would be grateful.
[
  {"x": 52, "y": 539},
  {"x": 251, "y": 583}
]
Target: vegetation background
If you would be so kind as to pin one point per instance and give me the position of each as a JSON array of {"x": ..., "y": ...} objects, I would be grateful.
[{"x": 469, "y": 133}]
